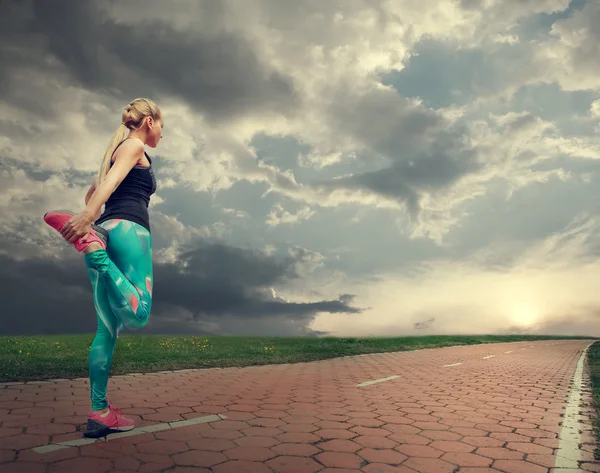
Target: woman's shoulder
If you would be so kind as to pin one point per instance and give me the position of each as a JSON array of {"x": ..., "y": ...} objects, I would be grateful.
[
  {"x": 130, "y": 148},
  {"x": 133, "y": 145}
]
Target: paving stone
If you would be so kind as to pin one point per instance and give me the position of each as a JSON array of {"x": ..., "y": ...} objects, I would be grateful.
[
  {"x": 340, "y": 460},
  {"x": 499, "y": 414},
  {"x": 291, "y": 464}
]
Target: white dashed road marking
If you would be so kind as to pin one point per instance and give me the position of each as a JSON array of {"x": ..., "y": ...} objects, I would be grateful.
[
  {"x": 489, "y": 356},
  {"x": 375, "y": 381},
  {"x": 140, "y": 430}
]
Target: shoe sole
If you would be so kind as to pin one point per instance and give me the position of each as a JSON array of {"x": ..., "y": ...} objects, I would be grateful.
[
  {"x": 95, "y": 429},
  {"x": 68, "y": 212}
]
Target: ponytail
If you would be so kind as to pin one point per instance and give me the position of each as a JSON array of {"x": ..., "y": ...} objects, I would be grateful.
[
  {"x": 117, "y": 137},
  {"x": 131, "y": 119}
]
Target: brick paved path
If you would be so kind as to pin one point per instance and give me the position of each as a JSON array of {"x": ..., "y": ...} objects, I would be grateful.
[{"x": 498, "y": 410}]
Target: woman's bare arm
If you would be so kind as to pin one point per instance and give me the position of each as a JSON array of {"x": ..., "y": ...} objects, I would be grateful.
[
  {"x": 89, "y": 195},
  {"x": 130, "y": 154}
]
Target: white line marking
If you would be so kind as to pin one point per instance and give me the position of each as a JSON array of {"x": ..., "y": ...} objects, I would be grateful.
[
  {"x": 489, "y": 356},
  {"x": 569, "y": 437},
  {"x": 508, "y": 351},
  {"x": 141, "y": 430},
  {"x": 453, "y": 364},
  {"x": 375, "y": 381}
]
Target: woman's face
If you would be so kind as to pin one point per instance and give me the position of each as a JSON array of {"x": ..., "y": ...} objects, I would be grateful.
[{"x": 154, "y": 132}]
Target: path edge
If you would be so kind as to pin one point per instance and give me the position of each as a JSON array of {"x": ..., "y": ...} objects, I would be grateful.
[{"x": 575, "y": 431}]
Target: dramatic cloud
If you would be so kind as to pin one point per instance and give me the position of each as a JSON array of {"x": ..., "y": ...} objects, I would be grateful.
[
  {"x": 223, "y": 289},
  {"x": 207, "y": 67},
  {"x": 406, "y": 158},
  {"x": 571, "y": 56}
]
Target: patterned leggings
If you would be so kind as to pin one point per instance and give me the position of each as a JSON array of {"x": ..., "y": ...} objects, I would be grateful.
[{"x": 121, "y": 280}]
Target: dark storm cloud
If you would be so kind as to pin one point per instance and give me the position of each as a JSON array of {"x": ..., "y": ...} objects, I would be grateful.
[
  {"x": 408, "y": 177},
  {"x": 218, "y": 71},
  {"x": 423, "y": 151},
  {"x": 216, "y": 278},
  {"x": 221, "y": 286},
  {"x": 382, "y": 122}
]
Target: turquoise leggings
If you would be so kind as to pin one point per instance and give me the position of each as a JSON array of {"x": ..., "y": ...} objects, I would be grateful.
[{"x": 121, "y": 279}]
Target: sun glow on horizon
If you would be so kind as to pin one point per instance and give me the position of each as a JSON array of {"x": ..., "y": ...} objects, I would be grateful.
[{"x": 524, "y": 315}]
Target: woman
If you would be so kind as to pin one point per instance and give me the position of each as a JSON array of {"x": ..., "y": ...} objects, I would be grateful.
[{"x": 117, "y": 249}]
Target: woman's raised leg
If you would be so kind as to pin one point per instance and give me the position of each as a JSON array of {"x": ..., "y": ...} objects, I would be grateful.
[{"x": 125, "y": 269}]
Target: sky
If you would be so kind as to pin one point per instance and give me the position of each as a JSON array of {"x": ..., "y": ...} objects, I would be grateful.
[{"x": 353, "y": 168}]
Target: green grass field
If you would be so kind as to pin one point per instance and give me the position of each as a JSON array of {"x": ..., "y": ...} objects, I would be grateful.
[
  {"x": 66, "y": 356},
  {"x": 593, "y": 362}
]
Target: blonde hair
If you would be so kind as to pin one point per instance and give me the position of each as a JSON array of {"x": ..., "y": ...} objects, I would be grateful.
[{"x": 132, "y": 119}]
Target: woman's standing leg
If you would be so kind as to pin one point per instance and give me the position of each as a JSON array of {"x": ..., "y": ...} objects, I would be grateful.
[
  {"x": 103, "y": 346},
  {"x": 122, "y": 282}
]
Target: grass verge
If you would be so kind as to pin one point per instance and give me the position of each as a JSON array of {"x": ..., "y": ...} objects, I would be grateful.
[
  {"x": 593, "y": 362},
  {"x": 30, "y": 358}
]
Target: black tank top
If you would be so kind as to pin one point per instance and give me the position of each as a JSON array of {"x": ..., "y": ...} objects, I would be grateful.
[{"x": 131, "y": 198}]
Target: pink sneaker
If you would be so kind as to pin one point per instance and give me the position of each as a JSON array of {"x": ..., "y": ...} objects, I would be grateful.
[
  {"x": 57, "y": 219},
  {"x": 98, "y": 426}
]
